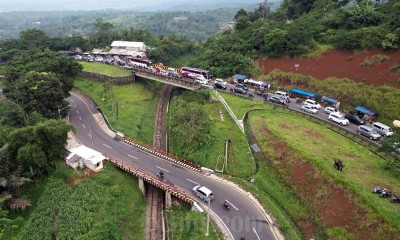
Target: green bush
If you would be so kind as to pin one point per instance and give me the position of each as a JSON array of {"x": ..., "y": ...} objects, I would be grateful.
[{"x": 374, "y": 60}]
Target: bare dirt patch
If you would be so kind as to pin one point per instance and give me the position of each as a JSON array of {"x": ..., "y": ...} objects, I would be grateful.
[
  {"x": 341, "y": 64},
  {"x": 330, "y": 204}
]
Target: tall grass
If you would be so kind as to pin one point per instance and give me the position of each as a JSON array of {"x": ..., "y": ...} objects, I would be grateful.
[{"x": 109, "y": 70}]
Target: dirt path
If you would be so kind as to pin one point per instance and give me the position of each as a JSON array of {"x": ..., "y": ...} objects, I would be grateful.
[{"x": 341, "y": 64}]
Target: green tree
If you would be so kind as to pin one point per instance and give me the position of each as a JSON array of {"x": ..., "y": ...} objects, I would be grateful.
[
  {"x": 6, "y": 223},
  {"x": 11, "y": 114},
  {"x": 38, "y": 147},
  {"x": 40, "y": 92}
]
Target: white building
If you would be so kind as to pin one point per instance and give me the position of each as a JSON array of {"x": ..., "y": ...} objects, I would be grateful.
[
  {"x": 134, "y": 49},
  {"x": 85, "y": 156}
]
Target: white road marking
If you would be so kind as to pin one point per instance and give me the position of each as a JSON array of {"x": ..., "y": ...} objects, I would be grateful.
[
  {"x": 75, "y": 105},
  {"x": 89, "y": 135},
  {"x": 80, "y": 118},
  {"x": 83, "y": 125},
  {"x": 132, "y": 156},
  {"x": 232, "y": 205},
  {"x": 107, "y": 145},
  {"x": 77, "y": 111},
  {"x": 72, "y": 100},
  {"x": 256, "y": 234},
  {"x": 192, "y": 181},
  {"x": 165, "y": 170}
]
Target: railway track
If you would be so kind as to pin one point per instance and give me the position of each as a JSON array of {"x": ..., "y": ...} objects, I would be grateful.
[{"x": 154, "y": 220}]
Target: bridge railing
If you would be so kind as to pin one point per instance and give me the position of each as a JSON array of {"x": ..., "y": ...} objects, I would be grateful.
[
  {"x": 157, "y": 76},
  {"x": 162, "y": 154},
  {"x": 153, "y": 181}
]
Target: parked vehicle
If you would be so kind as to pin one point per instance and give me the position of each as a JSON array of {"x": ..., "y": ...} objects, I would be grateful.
[
  {"x": 221, "y": 84},
  {"x": 352, "y": 117},
  {"x": 277, "y": 99},
  {"x": 313, "y": 103},
  {"x": 283, "y": 95},
  {"x": 309, "y": 109},
  {"x": 240, "y": 90},
  {"x": 368, "y": 132},
  {"x": 337, "y": 117},
  {"x": 203, "y": 193},
  {"x": 242, "y": 86},
  {"x": 259, "y": 91},
  {"x": 329, "y": 110},
  {"x": 382, "y": 129}
]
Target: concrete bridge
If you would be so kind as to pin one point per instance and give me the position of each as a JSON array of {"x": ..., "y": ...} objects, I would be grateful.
[{"x": 181, "y": 82}]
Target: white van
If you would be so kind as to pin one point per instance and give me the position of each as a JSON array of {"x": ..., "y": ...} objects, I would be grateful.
[
  {"x": 284, "y": 95},
  {"x": 382, "y": 129}
]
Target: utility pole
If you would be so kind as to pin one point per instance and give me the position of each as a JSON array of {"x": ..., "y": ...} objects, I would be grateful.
[{"x": 208, "y": 216}]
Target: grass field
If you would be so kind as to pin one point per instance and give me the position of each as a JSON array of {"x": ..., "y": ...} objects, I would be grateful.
[
  {"x": 363, "y": 171},
  {"x": 223, "y": 127},
  {"x": 136, "y": 106},
  {"x": 106, "y": 205},
  {"x": 3, "y": 69},
  {"x": 186, "y": 224},
  {"x": 105, "y": 69}
]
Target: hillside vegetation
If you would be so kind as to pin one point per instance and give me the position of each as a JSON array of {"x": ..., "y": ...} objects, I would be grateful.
[{"x": 299, "y": 28}]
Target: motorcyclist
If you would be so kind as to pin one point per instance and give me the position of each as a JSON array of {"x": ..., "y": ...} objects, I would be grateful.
[
  {"x": 226, "y": 204},
  {"x": 161, "y": 174}
]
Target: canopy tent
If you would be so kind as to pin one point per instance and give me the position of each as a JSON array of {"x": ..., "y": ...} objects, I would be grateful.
[
  {"x": 240, "y": 78},
  {"x": 255, "y": 82},
  {"x": 325, "y": 98},
  {"x": 365, "y": 111},
  {"x": 303, "y": 93},
  {"x": 266, "y": 85}
]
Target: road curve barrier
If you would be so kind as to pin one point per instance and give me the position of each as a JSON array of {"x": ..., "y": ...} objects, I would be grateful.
[
  {"x": 162, "y": 154},
  {"x": 152, "y": 180}
]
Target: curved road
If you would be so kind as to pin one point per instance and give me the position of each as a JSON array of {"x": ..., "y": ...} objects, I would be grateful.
[{"x": 244, "y": 219}]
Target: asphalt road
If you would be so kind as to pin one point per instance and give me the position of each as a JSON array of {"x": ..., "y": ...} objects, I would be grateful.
[
  {"x": 244, "y": 219},
  {"x": 297, "y": 106}
]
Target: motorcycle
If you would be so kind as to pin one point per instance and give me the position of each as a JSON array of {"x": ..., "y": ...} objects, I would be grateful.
[
  {"x": 395, "y": 198},
  {"x": 160, "y": 175},
  {"x": 385, "y": 193},
  {"x": 226, "y": 205},
  {"x": 250, "y": 95},
  {"x": 377, "y": 190}
]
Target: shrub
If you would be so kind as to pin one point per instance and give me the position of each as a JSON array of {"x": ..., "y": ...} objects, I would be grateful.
[
  {"x": 395, "y": 68},
  {"x": 374, "y": 60}
]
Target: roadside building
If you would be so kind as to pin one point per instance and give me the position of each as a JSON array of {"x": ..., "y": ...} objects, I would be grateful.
[
  {"x": 133, "y": 49},
  {"x": 84, "y": 156}
]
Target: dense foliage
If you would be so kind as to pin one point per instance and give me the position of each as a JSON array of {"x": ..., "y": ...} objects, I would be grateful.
[
  {"x": 300, "y": 27},
  {"x": 190, "y": 127}
]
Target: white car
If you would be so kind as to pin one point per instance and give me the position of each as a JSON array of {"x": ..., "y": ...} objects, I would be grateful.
[
  {"x": 337, "y": 117},
  {"x": 312, "y": 102},
  {"x": 329, "y": 110},
  {"x": 203, "y": 193},
  {"x": 310, "y": 109}
]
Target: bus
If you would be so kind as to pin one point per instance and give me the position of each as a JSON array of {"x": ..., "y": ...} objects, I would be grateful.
[
  {"x": 141, "y": 62},
  {"x": 197, "y": 71}
]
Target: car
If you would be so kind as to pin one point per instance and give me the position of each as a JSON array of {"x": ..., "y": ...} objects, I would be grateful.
[
  {"x": 221, "y": 84},
  {"x": 277, "y": 99},
  {"x": 329, "y": 110},
  {"x": 259, "y": 91},
  {"x": 241, "y": 86},
  {"x": 309, "y": 108},
  {"x": 313, "y": 103},
  {"x": 203, "y": 193},
  {"x": 352, "y": 116},
  {"x": 202, "y": 81},
  {"x": 283, "y": 95},
  {"x": 382, "y": 129},
  {"x": 337, "y": 117},
  {"x": 240, "y": 90},
  {"x": 368, "y": 132}
]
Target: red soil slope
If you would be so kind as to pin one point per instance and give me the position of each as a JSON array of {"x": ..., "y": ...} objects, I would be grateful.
[{"x": 340, "y": 64}]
